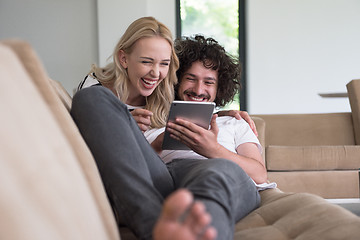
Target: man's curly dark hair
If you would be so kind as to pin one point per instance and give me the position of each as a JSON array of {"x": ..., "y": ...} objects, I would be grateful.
[{"x": 212, "y": 55}]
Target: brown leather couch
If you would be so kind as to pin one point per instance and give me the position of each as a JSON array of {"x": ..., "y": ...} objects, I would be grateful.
[
  {"x": 50, "y": 187},
  {"x": 316, "y": 153}
]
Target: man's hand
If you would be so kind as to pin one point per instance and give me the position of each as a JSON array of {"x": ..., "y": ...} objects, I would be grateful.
[
  {"x": 204, "y": 142},
  {"x": 200, "y": 140},
  {"x": 142, "y": 117},
  {"x": 240, "y": 115}
]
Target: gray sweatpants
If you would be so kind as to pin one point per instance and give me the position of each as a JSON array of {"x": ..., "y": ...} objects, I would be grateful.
[{"x": 137, "y": 181}]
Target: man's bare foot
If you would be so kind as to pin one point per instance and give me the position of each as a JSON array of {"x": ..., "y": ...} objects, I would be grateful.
[{"x": 182, "y": 218}]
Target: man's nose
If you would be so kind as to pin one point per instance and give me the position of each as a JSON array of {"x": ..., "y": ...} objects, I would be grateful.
[{"x": 199, "y": 88}]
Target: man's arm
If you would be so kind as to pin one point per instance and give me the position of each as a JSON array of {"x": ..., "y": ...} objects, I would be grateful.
[
  {"x": 240, "y": 115},
  {"x": 249, "y": 159}
]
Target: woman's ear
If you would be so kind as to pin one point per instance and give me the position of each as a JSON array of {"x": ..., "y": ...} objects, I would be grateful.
[{"x": 122, "y": 59}]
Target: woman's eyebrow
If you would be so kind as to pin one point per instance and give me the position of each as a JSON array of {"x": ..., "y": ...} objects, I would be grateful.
[{"x": 149, "y": 58}]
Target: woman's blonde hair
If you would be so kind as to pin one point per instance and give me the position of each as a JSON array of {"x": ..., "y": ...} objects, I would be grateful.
[{"x": 114, "y": 74}]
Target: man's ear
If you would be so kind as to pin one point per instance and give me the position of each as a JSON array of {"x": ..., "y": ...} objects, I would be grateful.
[{"x": 122, "y": 59}]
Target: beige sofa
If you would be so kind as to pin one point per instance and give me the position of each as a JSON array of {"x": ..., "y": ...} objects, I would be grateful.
[
  {"x": 316, "y": 153},
  {"x": 50, "y": 187}
]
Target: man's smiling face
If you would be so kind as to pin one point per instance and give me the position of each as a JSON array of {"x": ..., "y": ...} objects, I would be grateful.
[{"x": 198, "y": 84}]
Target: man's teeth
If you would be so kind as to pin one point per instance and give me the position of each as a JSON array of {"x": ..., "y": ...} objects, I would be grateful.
[
  {"x": 149, "y": 82},
  {"x": 196, "y": 99}
]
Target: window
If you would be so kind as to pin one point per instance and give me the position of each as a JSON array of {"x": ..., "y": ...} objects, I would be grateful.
[{"x": 213, "y": 18}]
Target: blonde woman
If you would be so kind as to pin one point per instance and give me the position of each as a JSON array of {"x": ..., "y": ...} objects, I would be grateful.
[{"x": 142, "y": 73}]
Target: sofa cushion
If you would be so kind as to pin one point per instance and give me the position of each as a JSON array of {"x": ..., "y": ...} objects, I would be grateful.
[
  {"x": 327, "y": 184},
  {"x": 58, "y": 101},
  {"x": 309, "y": 129},
  {"x": 297, "y": 216},
  {"x": 62, "y": 94},
  {"x": 260, "y": 127},
  {"x": 44, "y": 191},
  {"x": 299, "y": 158}
]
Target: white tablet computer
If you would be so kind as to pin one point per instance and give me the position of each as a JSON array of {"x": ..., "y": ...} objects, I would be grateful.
[{"x": 199, "y": 113}]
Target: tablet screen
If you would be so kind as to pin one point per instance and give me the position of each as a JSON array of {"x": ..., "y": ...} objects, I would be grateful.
[{"x": 199, "y": 113}]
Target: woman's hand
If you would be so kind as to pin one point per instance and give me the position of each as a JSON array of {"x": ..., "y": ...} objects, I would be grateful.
[
  {"x": 142, "y": 117},
  {"x": 240, "y": 115},
  {"x": 157, "y": 143}
]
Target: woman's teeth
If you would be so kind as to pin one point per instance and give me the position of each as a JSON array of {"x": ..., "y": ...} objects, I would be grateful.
[{"x": 149, "y": 82}]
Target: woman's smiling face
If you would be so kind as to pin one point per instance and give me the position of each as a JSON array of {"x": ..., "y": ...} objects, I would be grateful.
[{"x": 147, "y": 65}]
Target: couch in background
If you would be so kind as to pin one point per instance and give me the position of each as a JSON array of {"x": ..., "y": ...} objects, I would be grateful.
[
  {"x": 50, "y": 187},
  {"x": 316, "y": 153}
]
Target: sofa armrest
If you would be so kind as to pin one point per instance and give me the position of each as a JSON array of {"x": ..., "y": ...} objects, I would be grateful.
[
  {"x": 353, "y": 89},
  {"x": 260, "y": 127}
]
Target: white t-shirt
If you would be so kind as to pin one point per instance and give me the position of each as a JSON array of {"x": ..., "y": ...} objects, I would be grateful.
[{"x": 232, "y": 133}]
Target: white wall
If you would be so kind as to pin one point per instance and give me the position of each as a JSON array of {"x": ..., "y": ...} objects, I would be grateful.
[
  {"x": 116, "y": 15},
  {"x": 299, "y": 48},
  {"x": 296, "y": 49},
  {"x": 70, "y": 35},
  {"x": 63, "y": 34}
]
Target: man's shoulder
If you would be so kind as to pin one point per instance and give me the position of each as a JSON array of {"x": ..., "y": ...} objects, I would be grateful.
[{"x": 228, "y": 120}]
